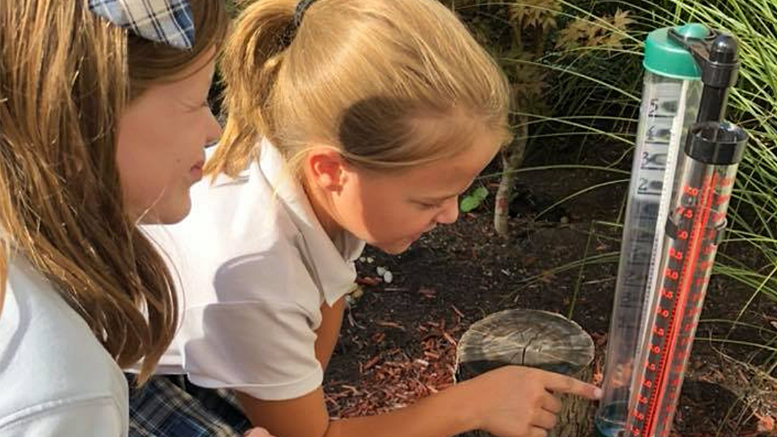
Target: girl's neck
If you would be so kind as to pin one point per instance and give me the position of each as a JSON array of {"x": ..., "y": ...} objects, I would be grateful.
[{"x": 330, "y": 225}]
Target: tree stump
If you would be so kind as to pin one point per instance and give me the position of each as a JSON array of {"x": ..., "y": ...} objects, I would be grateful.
[{"x": 538, "y": 339}]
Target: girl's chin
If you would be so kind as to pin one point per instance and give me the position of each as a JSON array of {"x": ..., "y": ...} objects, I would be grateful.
[{"x": 395, "y": 247}]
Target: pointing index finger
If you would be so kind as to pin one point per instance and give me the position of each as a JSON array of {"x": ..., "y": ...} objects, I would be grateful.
[{"x": 565, "y": 384}]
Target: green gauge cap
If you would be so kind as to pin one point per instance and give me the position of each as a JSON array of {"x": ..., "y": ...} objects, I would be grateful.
[{"x": 667, "y": 58}]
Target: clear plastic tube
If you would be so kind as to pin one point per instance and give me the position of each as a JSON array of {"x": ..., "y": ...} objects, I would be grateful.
[
  {"x": 669, "y": 107},
  {"x": 693, "y": 230}
]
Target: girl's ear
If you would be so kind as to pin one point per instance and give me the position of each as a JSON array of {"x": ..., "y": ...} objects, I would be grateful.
[{"x": 325, "y": 167}]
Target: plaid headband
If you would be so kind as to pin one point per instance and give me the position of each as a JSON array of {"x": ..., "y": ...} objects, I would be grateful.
[{"x": 165, "y": 21}]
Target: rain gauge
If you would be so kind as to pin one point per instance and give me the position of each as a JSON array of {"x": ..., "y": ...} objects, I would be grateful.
[{"x": 685, "y": 161}]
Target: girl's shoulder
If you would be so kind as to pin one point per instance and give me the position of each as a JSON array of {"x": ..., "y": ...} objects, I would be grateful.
[
  {"x": 252, "y": 212},
  {"x": 52, "y": 368}
]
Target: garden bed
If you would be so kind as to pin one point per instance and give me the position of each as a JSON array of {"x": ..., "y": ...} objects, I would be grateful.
[{"x": 398, "y": 343}]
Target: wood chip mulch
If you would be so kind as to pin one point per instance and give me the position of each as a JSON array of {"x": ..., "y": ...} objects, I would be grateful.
[{"x": 393, "y": 378}]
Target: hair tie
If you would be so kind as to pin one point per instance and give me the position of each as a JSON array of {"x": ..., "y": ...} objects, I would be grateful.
[
  {"x": 166, "y": 21},
  {"x": 302, "y": 7},
  {"x": 291, "y": 30}
]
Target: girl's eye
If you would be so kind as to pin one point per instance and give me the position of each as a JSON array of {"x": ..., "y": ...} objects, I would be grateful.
[
  {"x": 198, "y": 107},
  {"x": 428, "y": 205}
]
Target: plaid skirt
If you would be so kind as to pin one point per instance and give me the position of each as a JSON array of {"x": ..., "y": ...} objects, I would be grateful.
[{"x": 171, "y": 406}]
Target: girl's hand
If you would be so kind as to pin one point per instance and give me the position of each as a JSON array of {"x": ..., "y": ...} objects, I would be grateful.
[
  {"x": 517, "y": 401},
  {"x": 257, "y": 432}
]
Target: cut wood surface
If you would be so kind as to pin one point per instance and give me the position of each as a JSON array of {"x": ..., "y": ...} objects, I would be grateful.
[{"x": 537, "y": 339}]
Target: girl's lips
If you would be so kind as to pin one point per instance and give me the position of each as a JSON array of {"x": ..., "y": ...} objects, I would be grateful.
[
  {"x": 417, "y": 236},
  {"x": 196, "y": 171}
]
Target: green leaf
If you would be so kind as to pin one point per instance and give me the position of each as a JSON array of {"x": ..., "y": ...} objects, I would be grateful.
[
  {"x": 469, "y": 203},
  {"x": 473, "y": 200},
  {"x": 480, "y": 193}
]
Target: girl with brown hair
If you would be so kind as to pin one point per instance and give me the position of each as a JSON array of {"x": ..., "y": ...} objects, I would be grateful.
[{"x": 103, "y": 120}]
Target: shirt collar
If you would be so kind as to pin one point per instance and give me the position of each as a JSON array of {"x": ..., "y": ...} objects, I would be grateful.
[{"x": 333, "y": 263}]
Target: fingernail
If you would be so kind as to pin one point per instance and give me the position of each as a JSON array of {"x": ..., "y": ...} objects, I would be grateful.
[{"x": 598, "y": 393}]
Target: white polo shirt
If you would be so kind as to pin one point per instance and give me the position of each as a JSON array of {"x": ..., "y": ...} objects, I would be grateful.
[
  {"x": 56, "y": 380},
  {"x": 254, "y": 267}
]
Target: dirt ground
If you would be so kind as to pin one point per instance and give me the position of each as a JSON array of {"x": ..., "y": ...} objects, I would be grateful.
[{"x": 398, "y": 342}]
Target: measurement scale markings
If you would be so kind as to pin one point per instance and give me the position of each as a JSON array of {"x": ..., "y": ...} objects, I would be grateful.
[{"x": 696, "y": 236}]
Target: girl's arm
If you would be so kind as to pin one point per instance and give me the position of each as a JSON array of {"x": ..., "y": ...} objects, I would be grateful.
[
  {"x": 328, "y": 332},
  {"x": 509, "y": 402},
  {"x": 308, "y": 417}
]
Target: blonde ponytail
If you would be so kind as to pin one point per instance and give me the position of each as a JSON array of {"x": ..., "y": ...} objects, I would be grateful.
[
  {"x": 357, "y": 75},
  {"x": 253, "y": 57}
]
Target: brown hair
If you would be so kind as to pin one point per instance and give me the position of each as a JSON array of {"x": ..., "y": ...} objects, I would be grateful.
[
  {"x": 356, "y": 75},
  {"x": 65, "y": 77}
]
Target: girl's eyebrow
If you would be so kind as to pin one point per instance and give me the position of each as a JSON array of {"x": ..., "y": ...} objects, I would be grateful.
[
  {"x": 445, "y": 197},
  {"x": 438, "y": 199}
]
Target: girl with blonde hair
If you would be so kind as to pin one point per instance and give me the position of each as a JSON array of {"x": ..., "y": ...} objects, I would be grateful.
[
  {"x": 103, "y": 120},
  {"x": 350, "y": 122}
]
